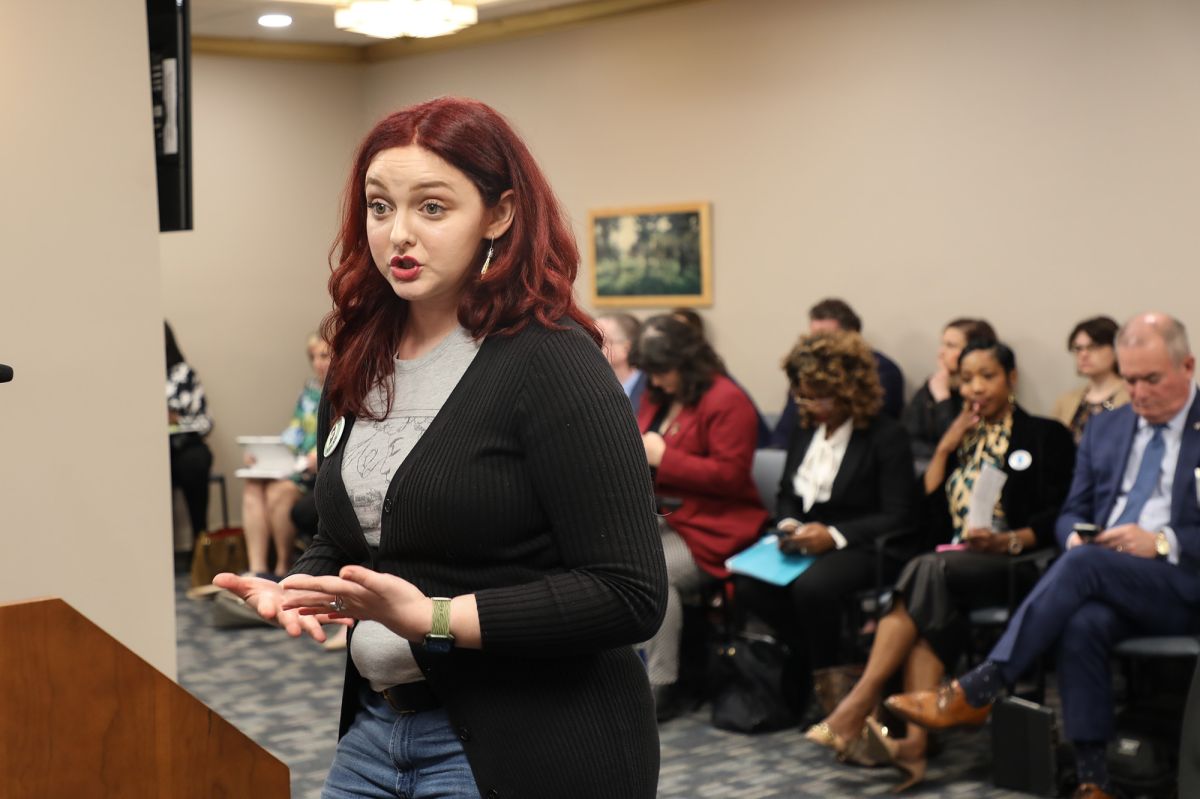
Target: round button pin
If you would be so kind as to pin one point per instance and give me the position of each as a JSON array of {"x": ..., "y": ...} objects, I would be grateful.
[
  {"x": 1020, "y": 460},
  {"x": 335, "y": 435}
]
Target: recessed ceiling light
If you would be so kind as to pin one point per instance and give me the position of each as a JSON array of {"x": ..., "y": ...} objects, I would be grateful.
[{"x": 274, "y": 20}]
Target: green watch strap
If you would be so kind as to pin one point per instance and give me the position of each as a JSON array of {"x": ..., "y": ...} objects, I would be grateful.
[{"x": 440, "y": 628}]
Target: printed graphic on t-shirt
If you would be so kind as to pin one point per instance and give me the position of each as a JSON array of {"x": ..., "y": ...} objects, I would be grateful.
[{"x": 370, "y": 462}]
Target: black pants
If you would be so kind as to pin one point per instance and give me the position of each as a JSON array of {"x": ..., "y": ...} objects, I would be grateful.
[
  {"x": 191, "y": 463},
  {"x": 807, "y": 613}
]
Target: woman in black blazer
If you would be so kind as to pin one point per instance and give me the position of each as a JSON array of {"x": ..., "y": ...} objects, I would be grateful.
[
  {"x": 848, "y": 479},
  {"x": 927, "y": 626}
]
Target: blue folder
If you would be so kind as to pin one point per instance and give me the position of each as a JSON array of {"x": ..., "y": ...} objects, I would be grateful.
[{"x": 764, "y": 561}]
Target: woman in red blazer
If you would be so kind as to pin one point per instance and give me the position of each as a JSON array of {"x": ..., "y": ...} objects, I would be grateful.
[{"x": 699, "y": 430}]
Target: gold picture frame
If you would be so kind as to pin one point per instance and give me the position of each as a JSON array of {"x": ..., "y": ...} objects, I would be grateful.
[{"x": 651, "y": 255}]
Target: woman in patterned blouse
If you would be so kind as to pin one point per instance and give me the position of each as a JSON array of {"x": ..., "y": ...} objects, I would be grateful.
[
  {"x": 267, "y": 504},
  {"x": 188, "y": 424},
  {"x": 927, "y": 627},
  {"x": 1091, "y": 344}
]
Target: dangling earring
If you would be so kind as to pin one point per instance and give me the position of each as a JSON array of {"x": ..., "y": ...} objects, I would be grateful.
[
  {"x": 488, "y": 260},
  {"x": 1012, "y": 398}
]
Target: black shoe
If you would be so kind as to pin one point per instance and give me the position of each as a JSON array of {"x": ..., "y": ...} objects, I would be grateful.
[{"x": 668, "y": 701}]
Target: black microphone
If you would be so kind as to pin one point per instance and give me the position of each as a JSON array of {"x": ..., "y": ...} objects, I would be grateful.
[{"x": 5, "y": 373}]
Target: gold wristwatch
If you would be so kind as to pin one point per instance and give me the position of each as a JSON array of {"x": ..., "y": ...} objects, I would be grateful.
[{"x": 1162, "y": 546}]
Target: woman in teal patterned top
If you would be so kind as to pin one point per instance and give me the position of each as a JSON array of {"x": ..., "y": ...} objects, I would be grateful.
[{"x": 267, "y": 504}]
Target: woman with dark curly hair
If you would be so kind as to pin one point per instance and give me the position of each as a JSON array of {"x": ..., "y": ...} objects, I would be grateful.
[
  {"x": 847, "y": 479},
  {"x": 698, "y": 430},
  {"x": 926, "y": 629}
]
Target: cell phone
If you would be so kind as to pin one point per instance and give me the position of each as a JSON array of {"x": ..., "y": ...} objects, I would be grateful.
[{"x": 1085, "y": 531}]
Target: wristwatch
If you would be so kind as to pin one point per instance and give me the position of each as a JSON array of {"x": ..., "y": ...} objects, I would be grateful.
[
  {"x": 1162, "y": 547},
  {"x": 439, "y": 641},
  {"x": 1014, "y": 544}
]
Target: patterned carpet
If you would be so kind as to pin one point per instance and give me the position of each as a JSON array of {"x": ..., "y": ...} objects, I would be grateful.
[{"x": 285, "y": 694}]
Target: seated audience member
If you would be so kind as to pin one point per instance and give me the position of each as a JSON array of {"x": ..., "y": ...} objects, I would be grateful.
[
  {"x": 698, "y": 432},
  {"x": 188, "y": 424},
  {"x": 694, "y": 321},
  {"x": 1139, "y": 576},
  {"x": 267, "y": 504},
  {"x": 620, "y": 334},
  {"x": 938, "y": 402},
  {"x": 926, "y": 629},
  {"x": 848, "y": 479},
  {"x": 834, "y": 314},
  {"x": 691, "y": 319},
  {"x": 1091, "y": 342}
]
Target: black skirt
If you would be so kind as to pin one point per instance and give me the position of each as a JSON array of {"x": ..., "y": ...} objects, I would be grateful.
[{"x": 940, "y": 589}]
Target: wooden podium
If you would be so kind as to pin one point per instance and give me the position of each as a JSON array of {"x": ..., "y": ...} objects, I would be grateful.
[{"x": 82, "y": 716}]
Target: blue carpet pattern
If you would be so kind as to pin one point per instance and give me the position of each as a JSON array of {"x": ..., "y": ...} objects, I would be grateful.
[{"x": 285, "y": 694}]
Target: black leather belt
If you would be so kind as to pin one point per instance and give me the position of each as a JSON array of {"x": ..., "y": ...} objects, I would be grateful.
[{"x": 411, "y": 697}]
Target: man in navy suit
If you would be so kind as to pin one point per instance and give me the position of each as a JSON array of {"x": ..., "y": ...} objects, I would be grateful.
[{"x": 1135, "y": 480}]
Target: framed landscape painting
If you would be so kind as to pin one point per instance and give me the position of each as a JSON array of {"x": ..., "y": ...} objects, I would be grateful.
[{"x": 651, "y": 255}]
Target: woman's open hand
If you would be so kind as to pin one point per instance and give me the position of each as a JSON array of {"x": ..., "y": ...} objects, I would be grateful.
[
  {"x": 364, "y": 595},
  {"x": 268, "y": 597}
]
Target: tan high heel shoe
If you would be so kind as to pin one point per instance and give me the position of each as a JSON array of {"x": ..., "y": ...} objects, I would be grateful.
[
  {"x": 886, "y": 750},
  {"x": 856, "y": 750}
]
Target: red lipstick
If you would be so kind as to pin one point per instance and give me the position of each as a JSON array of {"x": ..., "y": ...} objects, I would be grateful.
[{"x": 404, "y": 267}]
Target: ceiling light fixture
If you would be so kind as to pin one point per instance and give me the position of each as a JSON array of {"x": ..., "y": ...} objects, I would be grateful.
[
  {"x": 275, "y": 20},
  {"x": 390, "y": 19}
]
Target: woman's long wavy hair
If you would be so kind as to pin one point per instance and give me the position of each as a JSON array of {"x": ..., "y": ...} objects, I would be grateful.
[
  {"x": 669, "y": 344},
  {"x": 839, "y": 365},
  {"x": 532, "y": 270}
]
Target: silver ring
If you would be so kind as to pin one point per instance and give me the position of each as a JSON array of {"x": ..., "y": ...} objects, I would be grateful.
[
  {"x": 803, "y": 550},
  {"x": 337, "y": 606},
  {"x": 1120, "y": 547}
]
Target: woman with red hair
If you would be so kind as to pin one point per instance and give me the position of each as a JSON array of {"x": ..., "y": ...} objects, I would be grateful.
[{"x": 486, "y": 518}]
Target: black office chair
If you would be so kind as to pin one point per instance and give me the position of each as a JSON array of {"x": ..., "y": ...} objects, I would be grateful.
[{"x": 1189, "y": 745}]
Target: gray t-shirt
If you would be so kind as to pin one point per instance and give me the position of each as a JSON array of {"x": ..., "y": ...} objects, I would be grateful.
[{"x": 373, "y": 453}]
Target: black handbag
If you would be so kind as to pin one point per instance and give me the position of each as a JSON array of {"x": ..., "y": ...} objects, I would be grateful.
[
  {"x": 751, "y": 690},
  {"x": 1141, "y": 765}
]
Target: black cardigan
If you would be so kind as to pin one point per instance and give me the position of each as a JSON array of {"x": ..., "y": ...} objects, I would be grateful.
[
  {"x": 874, "y": 491},
  {"x": 1033, "y": 496},
  {"x": 530, "y": 489}
]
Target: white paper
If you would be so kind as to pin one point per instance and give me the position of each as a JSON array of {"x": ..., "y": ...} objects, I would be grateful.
[{"x": 984, "y": 496}]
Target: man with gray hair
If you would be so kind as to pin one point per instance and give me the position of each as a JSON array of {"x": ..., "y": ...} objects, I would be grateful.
[
  {"x": 620, "y": 333},
  {"x": 1130, "y": 529}
]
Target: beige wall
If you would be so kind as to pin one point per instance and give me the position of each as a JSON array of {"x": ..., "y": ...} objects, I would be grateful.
[
  {"x": 1032, "y": 162},
  {"x": 273, "y": 141},
  {"x": 83, "y": 464}
]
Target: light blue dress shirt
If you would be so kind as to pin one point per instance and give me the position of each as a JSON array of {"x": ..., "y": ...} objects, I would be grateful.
[{"x": 1156, "y": 513}]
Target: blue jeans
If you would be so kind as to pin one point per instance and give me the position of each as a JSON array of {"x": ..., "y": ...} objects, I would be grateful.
[{"x": 385, "y": 755}]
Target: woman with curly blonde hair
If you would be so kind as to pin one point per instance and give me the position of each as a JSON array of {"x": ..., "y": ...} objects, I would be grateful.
[{"x": 847, "y": 480}]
